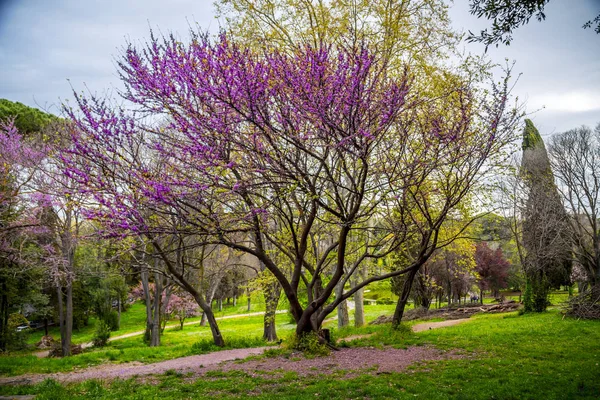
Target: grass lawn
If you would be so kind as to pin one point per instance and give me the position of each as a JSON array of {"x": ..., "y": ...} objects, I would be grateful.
[
  {"x": 134, "y": 319},
  {"x": 534, "y": 356}
]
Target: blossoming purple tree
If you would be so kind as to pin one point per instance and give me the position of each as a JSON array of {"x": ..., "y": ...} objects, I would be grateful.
[{"x": 303, "y": 152}]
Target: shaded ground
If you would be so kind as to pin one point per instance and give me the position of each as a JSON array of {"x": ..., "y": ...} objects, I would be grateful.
[{"x": 348, "y": 361}]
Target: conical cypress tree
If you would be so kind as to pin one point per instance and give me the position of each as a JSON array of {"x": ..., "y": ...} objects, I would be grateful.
[{"x": 545, "y": 224}]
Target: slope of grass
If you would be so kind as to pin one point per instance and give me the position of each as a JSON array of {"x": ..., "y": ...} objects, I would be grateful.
[
  {"x": 245, "y": 331},
  {"x": 507, "y": 356}
]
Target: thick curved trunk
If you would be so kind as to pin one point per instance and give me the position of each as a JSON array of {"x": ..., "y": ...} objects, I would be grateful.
[
  {"x": 400, "y": 306},
  {"x": 212, "y": 322}
]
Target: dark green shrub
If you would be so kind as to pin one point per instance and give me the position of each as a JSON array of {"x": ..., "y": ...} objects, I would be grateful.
[
  {"x": 17, "y": 338},
  {"x": 101, "y": 335},
  {"x": 112, "y": 320},
  {"x": 535, "y": 298}
]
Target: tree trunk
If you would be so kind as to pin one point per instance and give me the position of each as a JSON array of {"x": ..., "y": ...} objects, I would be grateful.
[
  {"x": 147, "y": 299},
  {"x": 214, "y": 328},
  {"x": 359, "y": 308},
  {"x": 4, "y": 317},
  {"x": 210, "y": 317},
  {"x": 61, "y": 317},
  {"x": 248, "y": 296},
  {"x": 234, "y": 300},
  {"x": 272, "y": 293},
  {"x": 220, "y": 304},
  {"x": 119, "y": 311},
  {"x": 155, "y": 333},
  {"x": 164, "y": 305},
  {"x": 66, "y": 342},
  {"x": 399, "y": 312},
  {"x": 342, "y": 308}
]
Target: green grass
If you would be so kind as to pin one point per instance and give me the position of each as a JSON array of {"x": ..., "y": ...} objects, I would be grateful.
[
  {"x": 238, "y": 332},
  {"x": 134, "y": 319},
  {"x": 507, "y": 356}
]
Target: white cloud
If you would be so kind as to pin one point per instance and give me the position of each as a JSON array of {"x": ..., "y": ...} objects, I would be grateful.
[{"x": 574, "y": 101}]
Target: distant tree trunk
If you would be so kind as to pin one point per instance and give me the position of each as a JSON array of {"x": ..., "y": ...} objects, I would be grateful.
[
  {"x": 149, "y": 337},
  {"x": 66, "y": 342},
  {"x": 359, "y": 308},
  {"x": 119, "y": 310},
  {"x": 234, "y": 300},
  {"x": 399, "y": 312},
  {"x": 209, "y": 300},
  {"x": 272, "y": 291},
  {"x": 164, "y": 304},
  {"x": 61, "y": 311},
  {"x": 46, "y": 326},
  {"x": 65, "y": 315},
  {"x": 220, "y": 304},
  {"x": 155, "y": 332},
  {"x": 4, "y": 316},
  {"x": 342, "y": 308},
  {"x": 481, "y": 296},
  {"x": 249, "y": 300}
]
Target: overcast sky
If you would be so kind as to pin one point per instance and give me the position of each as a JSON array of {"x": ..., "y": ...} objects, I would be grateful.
[{"x": 48, "y": 45}]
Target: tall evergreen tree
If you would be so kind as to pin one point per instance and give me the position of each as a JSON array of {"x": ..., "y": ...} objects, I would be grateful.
[{"x": 545, "y": 224}]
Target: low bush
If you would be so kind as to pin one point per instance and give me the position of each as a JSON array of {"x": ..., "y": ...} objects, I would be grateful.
[
  {"x": 112, "y": 320},
  {"x": 101, "y": 335},
  {"x": 310, "y": 344}
]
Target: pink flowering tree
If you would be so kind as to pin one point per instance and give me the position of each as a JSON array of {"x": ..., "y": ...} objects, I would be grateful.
[
  {"x": 301, "y": 152},
  {"x": 182, "y": 306}
]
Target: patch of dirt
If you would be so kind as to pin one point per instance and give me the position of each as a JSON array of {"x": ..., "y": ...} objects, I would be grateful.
[
  {"x": 451, "y": 313},
  {"x": 434, "y": 325},
  {"x": 348, "y": 361},
  {"x": 128, "y": 370}
]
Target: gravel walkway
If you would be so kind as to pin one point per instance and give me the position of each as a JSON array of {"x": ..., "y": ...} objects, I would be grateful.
[
  {"x": 128, "y": 370},
  {"x": 434, "y": 325},
  {"x": 348, "y": 361}
]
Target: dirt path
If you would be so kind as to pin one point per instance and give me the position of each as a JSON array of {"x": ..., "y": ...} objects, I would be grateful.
[
  {"x": 434, "y": 325},
  {"x": 352, "y": 361},
  {"x": 45, "y": 353},
  {"x": 128, "y": 370}
]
